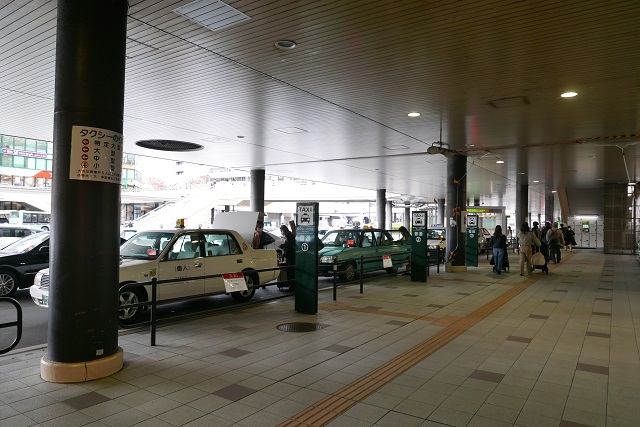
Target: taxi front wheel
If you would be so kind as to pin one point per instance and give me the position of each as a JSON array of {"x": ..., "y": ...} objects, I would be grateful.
[
  {"x": 350, "y": 272},
  {"x": 127, "y": 297}
]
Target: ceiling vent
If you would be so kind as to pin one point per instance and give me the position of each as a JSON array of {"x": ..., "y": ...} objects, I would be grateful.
[
  {"x": 168, "y": 145},
  {"x": 514, "y": 101},
  {"x": 212, "y": 14}
]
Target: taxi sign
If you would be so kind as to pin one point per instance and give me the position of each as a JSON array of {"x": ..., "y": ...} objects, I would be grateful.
[
  {"x": 386, "y": 261},
  {"x": 234, "y": 282}
]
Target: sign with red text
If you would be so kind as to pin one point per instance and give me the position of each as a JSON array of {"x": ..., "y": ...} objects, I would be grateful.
[
  {"x": 234, "y": 282},
  {"x": 96, "y": 155},
  {"x": 386, "y": 261}
]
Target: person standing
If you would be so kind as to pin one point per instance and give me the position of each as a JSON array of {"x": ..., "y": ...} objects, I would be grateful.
[
  {"x": 499, "y": 244},
  {"x": 289, "y": 247},
  {"x": 406, "y": 236},
  {"x": 543, "y": 239},
  {"x": 526, "y": 239},
  {"x": 569, "y": 239},
  {"x": 261, "y": 239},
  {"x": 555, "y": 239}
]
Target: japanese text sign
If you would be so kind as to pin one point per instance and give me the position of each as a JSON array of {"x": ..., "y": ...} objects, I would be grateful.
[{"x": 96, "y": 155}]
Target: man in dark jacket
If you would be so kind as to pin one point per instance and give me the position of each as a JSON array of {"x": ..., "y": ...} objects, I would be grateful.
[{"x": 555, "y": 240}]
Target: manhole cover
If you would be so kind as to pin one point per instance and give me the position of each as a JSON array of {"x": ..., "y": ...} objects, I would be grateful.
[{"x": 299, "y": 327}]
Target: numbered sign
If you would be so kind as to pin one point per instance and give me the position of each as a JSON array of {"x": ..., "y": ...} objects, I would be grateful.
[
  {"x": 234, "y": 282},
  {"x": 386, "y": 261}
]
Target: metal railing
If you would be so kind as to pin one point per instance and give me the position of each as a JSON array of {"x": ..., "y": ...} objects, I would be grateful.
[
  {"x": 361, "y": 270},
  {"x": 153, "y": 302},
  {"x": 17, "y": 324}
]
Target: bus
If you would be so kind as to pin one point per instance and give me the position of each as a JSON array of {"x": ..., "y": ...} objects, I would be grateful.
[{"x": 34, "y": 218}]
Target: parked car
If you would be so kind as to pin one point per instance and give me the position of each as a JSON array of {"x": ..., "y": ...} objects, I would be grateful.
[
  {"x": 437, "y": 244},
  {"x": 184, "y": 254},
  {"x": 21, "y": 260},
  {"x": 10, "y": 233},
  {"x": 346, "y": 247},
  {"x": 484, "y": 239}
]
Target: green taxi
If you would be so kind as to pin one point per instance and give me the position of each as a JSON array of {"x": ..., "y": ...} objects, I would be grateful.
[{"x": 369, "y": 249}]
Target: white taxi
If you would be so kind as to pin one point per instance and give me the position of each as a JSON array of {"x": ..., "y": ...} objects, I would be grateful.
[{"x": 183, "y": 255}]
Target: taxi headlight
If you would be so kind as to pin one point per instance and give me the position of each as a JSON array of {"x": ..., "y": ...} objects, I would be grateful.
[
  {"x": 327, "y": 259},
  {"x": 38, "y": 279}
]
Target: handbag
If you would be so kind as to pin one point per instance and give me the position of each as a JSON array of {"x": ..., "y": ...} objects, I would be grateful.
[
  {"x": 538, "y": 259},
  {"x": 492, "y": 261}
]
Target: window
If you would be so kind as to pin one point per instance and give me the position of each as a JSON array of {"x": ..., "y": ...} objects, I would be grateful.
[
  {"x": 41, "y": 164},
  {"x": 368, "y": 239},
  {"x": 185, "y": 247},
  {"x": 19, "y": 143},
  {"x": 30, "y": 145},
  {"x": 18, "y": 162},
  {"x": 41, "y": 146},
  {"x": 31, "y": 163},
  {"x": 218, "y": 244}
]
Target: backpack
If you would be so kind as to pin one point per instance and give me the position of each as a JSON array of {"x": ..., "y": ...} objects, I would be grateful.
[{"x": 553, "y": 238}]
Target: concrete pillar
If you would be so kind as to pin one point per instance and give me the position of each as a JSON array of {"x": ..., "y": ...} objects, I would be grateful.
[
  {"x": 381, "y": 204},
  {"x": 84, "y": 244},
  {"x": 456, "y": 203},
  {"x": 388, "y": 224},
  {"x": 407, "y": 218},
  {"x": 548, "y": 208},
  {"x": 256, "y": 201},
  {"x": 522, "y": 206},
  {"x": 441, "y": 215}
]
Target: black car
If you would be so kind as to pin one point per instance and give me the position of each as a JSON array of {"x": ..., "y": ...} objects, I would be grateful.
[{"x": 20, "y": 261}]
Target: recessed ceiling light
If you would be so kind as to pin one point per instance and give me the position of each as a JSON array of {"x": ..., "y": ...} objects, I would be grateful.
[
  {"x": 520, "y": 173},
  {"x": 499, "y": 161},
  {"x": 553, "y": 191},
  {"x": 413, "y": 114},
  {"x": 535, "y": 182},
  {"x": 285, "y": 44},
  {"x": 569, "y": 94},
  {"x": 470, "y": 145},
  {"x": 598, "y": 179}
]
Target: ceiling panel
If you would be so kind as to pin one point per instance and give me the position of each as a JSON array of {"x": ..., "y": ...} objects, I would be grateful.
[{"x": 486, "y": 77}]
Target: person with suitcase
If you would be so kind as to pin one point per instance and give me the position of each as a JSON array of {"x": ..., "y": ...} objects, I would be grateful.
[{"x": 527, "y": 239}]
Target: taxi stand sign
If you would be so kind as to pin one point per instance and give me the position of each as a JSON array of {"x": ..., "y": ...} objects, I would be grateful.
[
  {"x": 471, "y": 253},
  {"x": 234, "y": 282},
  {"x": 306, "y": 281},
  {"x": 419, "y": 247}
]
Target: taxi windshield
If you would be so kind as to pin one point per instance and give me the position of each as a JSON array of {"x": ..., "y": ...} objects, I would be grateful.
[
  {"x": 436, "y": 233},
  {"x": 26, "y": 243},
  {"x": 146, "y": 244},
  {"x": 339, "y": 238}
]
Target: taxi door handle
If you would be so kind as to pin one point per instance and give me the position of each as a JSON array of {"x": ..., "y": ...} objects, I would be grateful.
[
  {"x": 239, "y": 261},
  {"x": 197, "y": 265}
]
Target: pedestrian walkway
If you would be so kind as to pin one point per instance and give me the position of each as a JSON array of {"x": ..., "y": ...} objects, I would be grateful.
[{"x": 463, "y": 349}]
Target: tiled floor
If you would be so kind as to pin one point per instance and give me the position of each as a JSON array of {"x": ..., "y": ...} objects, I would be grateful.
[{"x": 463, "y": 349}]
